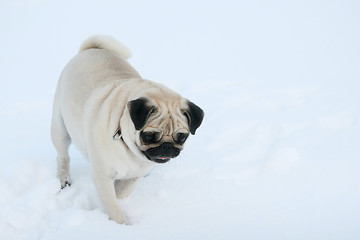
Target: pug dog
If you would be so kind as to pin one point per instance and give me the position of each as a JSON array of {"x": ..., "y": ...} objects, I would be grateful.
[{"x": 122, "y": 123}]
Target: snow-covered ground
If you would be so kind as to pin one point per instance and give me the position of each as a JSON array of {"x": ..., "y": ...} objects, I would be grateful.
[{"x": 277, "y": 156}]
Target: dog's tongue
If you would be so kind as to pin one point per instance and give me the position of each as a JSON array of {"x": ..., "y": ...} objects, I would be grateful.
[{"x": 163, "y": 158}]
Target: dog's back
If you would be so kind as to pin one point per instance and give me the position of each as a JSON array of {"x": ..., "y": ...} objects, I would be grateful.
[{"x": 100, "y": 64}]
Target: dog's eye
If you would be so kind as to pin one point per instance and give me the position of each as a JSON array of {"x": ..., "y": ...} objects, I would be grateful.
[
  {"x": 181, "y": 137},
  {"x": 149, "y": 137}
]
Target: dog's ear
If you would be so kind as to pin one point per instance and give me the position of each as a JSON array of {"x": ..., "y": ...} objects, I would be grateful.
[
  {"x": 194, "y": 115},
  {"x": 139, "y": 110}
]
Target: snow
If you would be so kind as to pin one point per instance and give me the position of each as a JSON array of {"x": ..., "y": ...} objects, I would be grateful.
[{"x": 277, "y": 156}]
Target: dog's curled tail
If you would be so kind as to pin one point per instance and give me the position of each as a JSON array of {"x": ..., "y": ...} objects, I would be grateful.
[{"x": 106, "y": 42}]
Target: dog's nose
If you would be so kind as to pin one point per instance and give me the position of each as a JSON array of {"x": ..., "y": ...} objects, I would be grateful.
[
  {"x": 168, "y": 149},
  {"x": 167, "y": 146}
]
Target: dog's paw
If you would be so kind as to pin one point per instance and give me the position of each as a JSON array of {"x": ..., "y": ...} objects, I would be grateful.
[
  {"x": 118, "y": 217},
  {"x": 65, "y": 182}
]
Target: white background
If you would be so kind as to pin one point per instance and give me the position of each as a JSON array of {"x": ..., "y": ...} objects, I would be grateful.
[{"x": 277, "y": 156}]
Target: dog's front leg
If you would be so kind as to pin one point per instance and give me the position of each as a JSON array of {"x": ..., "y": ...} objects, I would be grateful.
[
  {"x": 105, "y": 188},
  {"x": 123, "y": 188}
]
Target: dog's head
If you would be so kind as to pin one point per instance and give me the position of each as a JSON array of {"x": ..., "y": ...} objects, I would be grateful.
[{"x": 162, "y": 125}]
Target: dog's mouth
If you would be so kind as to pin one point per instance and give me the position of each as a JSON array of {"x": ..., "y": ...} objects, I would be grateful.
[
  {"x": 162, "y": 154},
  {"x": 157, "y": 159},
  {"x": 160, "y": 160}
]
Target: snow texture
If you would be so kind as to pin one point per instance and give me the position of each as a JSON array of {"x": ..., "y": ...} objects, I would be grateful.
[{"x": 277, "y": 156}]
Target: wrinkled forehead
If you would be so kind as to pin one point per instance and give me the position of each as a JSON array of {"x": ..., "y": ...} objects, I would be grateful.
[{"x": 168, "y": 116}]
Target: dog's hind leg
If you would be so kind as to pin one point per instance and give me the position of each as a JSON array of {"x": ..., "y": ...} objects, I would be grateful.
[{"x": 61, "y": 141}]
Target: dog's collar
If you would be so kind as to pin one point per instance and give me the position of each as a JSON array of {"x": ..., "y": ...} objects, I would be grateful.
[{"x": 117, "y": 134}]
